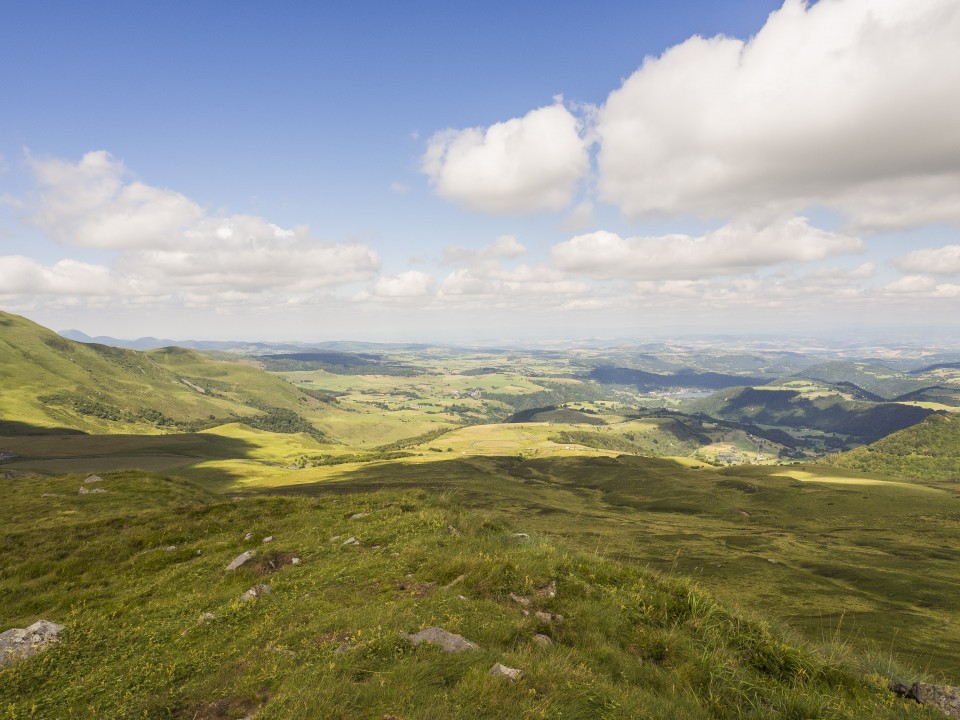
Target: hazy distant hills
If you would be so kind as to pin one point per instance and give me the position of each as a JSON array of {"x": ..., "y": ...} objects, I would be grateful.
[{"x": 646, "y": 381}]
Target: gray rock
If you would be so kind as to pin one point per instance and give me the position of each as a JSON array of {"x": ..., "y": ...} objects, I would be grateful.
[
  {"x": 255, "y": 592},
  {"x": 351, "y": 541},
  {"x": 448, "y": 641},
  {"x": 507, "y": 673},
  {"x": 549, "y": 590},
  {"x": 547, "y": 618},
  {"x": 524, "y": 600},
  {"x": 171, "y": 548},
  {"x": 20, "y": 643},
  {"x": 357, "y": 516},
  {"x": 240, "y": 559},
  {"x": 248, "y": 536},
  {"x": 453, "y": 531},
  {"x": 268, "y": 539},
  {"x": 206, "y": 617},
  {"x": 93, "y": 478},
  {"x": 295, "y": 561},
  {"x": 521, "y": 536},
  {"x": 88, "y": 491},
  {"x": 542, "y": 640},
  {"x": 943, "y": 697}
]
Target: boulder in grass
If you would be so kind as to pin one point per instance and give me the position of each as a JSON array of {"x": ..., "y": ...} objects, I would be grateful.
[
  {"x": 93, "y": 479},
  {"x": 448, "y": 641},
  {"x": 257, "y": 591},
  {"x": 21, "y": 643},
  {"x": 507, "y": 673},
  {"x": 240, "y": 559}
]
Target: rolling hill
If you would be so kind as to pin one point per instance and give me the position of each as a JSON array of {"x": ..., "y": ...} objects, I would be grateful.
[{"x": 47, "y": 381}]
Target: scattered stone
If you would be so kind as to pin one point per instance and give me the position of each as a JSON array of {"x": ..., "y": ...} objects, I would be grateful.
[
  {"x": 20, "y": 643},
  {"x": 88, "y": 491},
  {"x": 453, "y": 531},
  {"x": 507, "y": 673},
  {"x": 771, "y": 560},
  {"x": 448, "y": 641},
  {"x": 240, "y": 559},
  {"x": 943, "y": 697},
  {"x": 93, "y": 479},
  {"x": 255, "y": 592},
  {"x": 268, "y": 539},
  {"x": 357, "y": 516},
  {"x": 549, "y": 590},
  {"x": 542, "y": 640},
  {"x": 206, "y": 617},
  {"x": 199, "y": 552},
  {"x": 547, "y": 618},
  {"x": 521, "y": 536},
  {"x": 295, "y": 561},
  {"x": 248, "y": 536},
  {"x": 171, "y": 548},
  {"x": 744, "y": 513},
  {"x": 524, "y": 600},
  {"x": 350, "y": 541}
]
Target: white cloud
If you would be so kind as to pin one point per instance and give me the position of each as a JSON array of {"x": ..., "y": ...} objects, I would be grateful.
[
  {"x": 911, "y": 284},
  {"x": 165, "y": 247},
  {"x": 850, "y": 104},
  {"x": 91, "y": 204},
  {"x": 409, "y": 284},
  {"x": 524, "y": 164},
  {"x": 938, "y": 261},
  {"x": 23, "y": 275},
  {"x": 735, "y": 248},
  {"x": 399, "y": 188}
]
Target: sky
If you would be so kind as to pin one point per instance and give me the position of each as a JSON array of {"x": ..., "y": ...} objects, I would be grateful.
[{"x": 436, "y": 171}]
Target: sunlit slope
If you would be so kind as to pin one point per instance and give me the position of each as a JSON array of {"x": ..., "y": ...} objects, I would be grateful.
[
  {"x": 929, "y": 451},
  {"x": 47, "y": 381}
]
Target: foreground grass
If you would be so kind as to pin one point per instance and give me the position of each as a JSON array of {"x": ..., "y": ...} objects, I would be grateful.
[{"x": 327, "y": 641}]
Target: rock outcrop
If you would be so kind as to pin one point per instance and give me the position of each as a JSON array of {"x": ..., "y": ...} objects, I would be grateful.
[
  {"x": 448, "y": 641},
  {"x": 943, "y": 697},
  {"x": 20, "y": 643}
]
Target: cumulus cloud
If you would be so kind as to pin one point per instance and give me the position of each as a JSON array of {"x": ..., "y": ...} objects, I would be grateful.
[
  {"x": 849, "y": 104},
  {"x": 166, "y": 246},
  {"x": 92, "y": 204},
  {"x": 524, "y": 164},
  {"x": 409, "y": 284},
  {"x": 734, "y": 248},
  {"x": 937, "y": 261},
  {"x": 23, "y": 275}
]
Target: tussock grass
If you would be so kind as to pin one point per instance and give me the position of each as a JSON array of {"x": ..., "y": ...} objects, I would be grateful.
[{"x": 327, "y": 642}]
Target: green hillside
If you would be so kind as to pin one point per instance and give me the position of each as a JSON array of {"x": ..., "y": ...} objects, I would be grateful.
[
  {"x": 878, "y": 379},
  {"x": 860, "y": 420},
  {"x": 929, "y": 451},
  {"x": 47, "y": 381},
  {"x": 155, "y": 627}
]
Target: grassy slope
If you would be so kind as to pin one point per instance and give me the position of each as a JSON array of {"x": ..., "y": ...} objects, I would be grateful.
[
  {"x": 327, "y": 641},
  {"x": 930, "y": 450},
  {"x": 821, "y": 548},
  {"x": 48, "y": 381}
]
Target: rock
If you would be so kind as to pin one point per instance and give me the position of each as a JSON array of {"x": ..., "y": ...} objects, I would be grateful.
[
  {"x": 268, "y": 539},
  {"x": 240, "y": 559},
  {"x": 248, "y": 536},
  {"x": 295, "y": 561},
  {"x": 549, "y": 590},
  {"x": 350, "y": 541},
  {"x": 524, "y": 600},
  {"x": 544, "y": 617},
  {"x": 943, "y": 697},
  {"x": 448, "y": 641},
  {"x": 21, "y": 643},
  {"x": 171, "y": 548},
  {"x": 206, "y": 617},
  {"x": 744, "y": 513},
  {"x": 507, "y": 673},
  {"x": 357, "y": 516},
  {"x": 542, "y": 640},
  {"x": 255, "y": 592},
  {"x": 453, "y": 531},
  {"x": 88, "y": 491},
  {"x": 93, "y": 479},
  {"x": 52, "y": 494},
  {"x": 199, "y": 552},
  {"x": 521, "y": 536}
]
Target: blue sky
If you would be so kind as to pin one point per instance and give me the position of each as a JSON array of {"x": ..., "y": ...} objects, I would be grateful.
[{"x": 479, "y": 171}]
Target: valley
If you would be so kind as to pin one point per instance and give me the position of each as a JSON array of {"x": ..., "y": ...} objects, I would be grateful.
[{"x": 796, "y": 499}]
